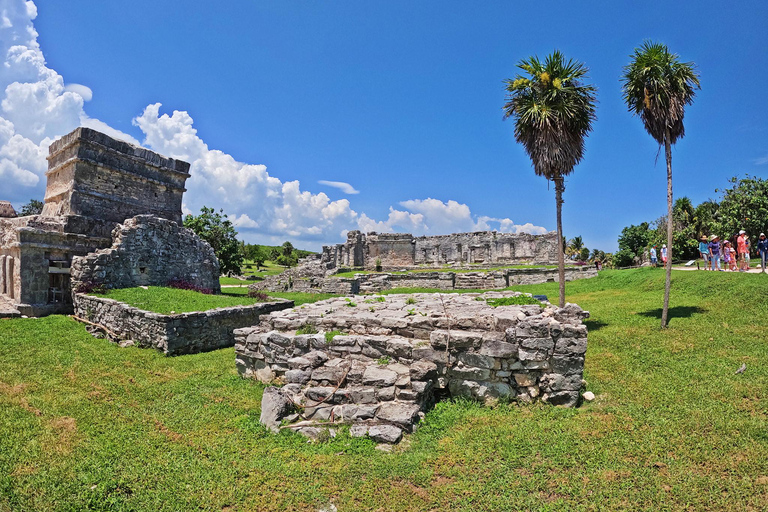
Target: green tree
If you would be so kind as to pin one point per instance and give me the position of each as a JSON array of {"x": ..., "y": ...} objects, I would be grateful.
[
  {"x": 553, "y": 112},
  {"x": 33, "y": 207},
  {"x": 744, "y": 206},
  {"x": 656, "y": 86},
  {"x": 635, "y": 239},
  {"x": 217, "y": 230},
  {"x": 286, "y": 249}
]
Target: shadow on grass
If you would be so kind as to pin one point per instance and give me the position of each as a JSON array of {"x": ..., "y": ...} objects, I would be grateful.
[
  {"x": 595, "y": 325},
  {"x": 675, "y": 312}
]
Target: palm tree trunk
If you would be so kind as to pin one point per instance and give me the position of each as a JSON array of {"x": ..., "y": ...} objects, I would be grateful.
[
  {"x": 668, "y": 282},
  {"x": 559, "y": 188}
]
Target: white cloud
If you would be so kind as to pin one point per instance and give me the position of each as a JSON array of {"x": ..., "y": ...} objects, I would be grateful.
[
  {"x": 341, "y": 185},
  {"x": 85, "y": 92},
  {"x": 35, "y": 105},
  {"x": 762, "y": 160}
]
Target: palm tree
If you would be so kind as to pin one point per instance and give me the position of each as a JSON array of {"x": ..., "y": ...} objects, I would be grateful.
[
  {"x": 575, "y": 246},
  {"x": 657, "y": 87},
  {"x": 553, "y": 112}
]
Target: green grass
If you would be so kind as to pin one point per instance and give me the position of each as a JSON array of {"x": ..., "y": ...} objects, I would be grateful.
[
  {"x": 85, "y": 425},
  {"x": 166, "y": 300}
]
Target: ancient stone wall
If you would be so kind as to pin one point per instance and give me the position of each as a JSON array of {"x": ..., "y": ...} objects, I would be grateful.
[
  {"x": 184, "y": 333},
  {"x": 147, "y": 251},
  {"x": 94, "y": 175},
  {"x": 392, "y": 354},
  {"x": 394, "y": 251},
  {"x": 374, "y": 283}
]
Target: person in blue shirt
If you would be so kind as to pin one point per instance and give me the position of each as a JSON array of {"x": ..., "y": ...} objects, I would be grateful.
[
  {"x": 714, "y": 253},
  {"x": 704, "y": 251},
  {"x": 654, "y": 260},
  {"x": 762, "y": 249}
]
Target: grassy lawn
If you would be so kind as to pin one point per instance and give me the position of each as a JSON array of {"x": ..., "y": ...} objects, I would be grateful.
[
  {"x": 85, "y": 425},
  {"x": 167, "y": 300},
  {"x": 249, "y": 269}
]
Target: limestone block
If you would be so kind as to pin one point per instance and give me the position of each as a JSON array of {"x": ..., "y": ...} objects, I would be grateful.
[
  {"x": 399, "y": 413},
  {"x": 379, "y": 377}
]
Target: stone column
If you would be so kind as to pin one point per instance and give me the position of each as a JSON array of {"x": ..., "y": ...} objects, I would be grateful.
[
  {"x": 2, "y": 274},
  {"x": 9, "y": 288}
]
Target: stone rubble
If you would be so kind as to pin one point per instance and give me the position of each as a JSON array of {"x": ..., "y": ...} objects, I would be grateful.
[{"x": 380, "y": 362}]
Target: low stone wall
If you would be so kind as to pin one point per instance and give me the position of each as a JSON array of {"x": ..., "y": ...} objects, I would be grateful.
[
  {"x": 184, "y": 333},
  {"x": 375, "y": 283},
  {"x": 148, "y": 250},
  {"x": 394, "y": 353}
]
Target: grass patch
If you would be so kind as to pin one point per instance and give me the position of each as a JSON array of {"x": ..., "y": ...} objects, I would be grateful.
[
  {"x": 307, "y": 329},
  {"x": 512, "y": 301},
  {"x": 332, "y": 334},
  {"x": 87, "y": 425},
  {"x": 166, "y": 300}
]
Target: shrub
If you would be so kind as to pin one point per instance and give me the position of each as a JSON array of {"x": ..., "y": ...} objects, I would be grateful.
[
  {"x": 88, "y": 287},
  {"x": 259, "y": 295},
  {"x": 181, "y": 284},
  {"x": 332, "y": 334}
]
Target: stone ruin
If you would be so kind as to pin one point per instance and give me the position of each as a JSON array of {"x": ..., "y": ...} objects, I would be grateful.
[
  {"x": 380, "y": 362},
  {"x": 149, "y": 251},
  {"x": 94, "y": 183},
  {"x": 477, "y": 253},
  {"x": 392, "y": 251},
  {"x": 6, "y": 210}
]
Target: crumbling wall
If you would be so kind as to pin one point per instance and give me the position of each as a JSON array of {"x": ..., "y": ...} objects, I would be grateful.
[
  {"x": 184, "y": 333},
  {"x": 146, "y": 251},
  {"x": 394, "y": 352}
]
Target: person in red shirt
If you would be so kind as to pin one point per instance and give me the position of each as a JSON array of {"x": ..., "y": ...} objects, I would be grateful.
[{"x": 742, "y": 243}]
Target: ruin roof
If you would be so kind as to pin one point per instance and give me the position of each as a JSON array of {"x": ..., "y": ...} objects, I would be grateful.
[{"x": 6, "y": 209}]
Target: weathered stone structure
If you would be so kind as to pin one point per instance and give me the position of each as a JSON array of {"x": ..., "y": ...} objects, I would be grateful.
[
  {"x": 392, "y": 251},
  {"x": 183, "y": 333},
  {"x": 392, "y": 356},
  {"x": 149, "y": 251},
  {"x": 6, "y": 210},
  {"x": 482, "y": 252},
  {"x": 94, "y": 183},
  {"x": 297, "y": 281}
]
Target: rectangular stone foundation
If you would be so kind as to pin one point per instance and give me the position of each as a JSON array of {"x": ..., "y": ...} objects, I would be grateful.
[{"x": 184, "y": 333}]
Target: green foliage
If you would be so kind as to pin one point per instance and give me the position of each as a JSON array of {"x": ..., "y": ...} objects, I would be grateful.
[
  {"x": 744, "y": 205},
  {"x": 623, "y": 258},
  {"x": 553, "y": 112},
  {"x": 349, "y": 303},
  {"x": 307, "y": 329},
  {"x": 332, "y": 334},
  {"x": 383, "y": 360},
  {"x": 634, "y": 239},
  {"x": 216, "y": 229},
  {"x": 410, "y": 300},
  {"x": 33, "y": 207},
  {"x": 378, "y": 264},
  {"x": 656, "y": 86},
  {"x": 512, "y": 301}
]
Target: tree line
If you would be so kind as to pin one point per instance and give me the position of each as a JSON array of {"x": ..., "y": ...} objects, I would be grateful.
[{"x": 743, "y": 205}]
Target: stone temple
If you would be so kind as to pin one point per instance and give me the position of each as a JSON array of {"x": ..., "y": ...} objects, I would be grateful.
[{"x": 94, "y": 183}]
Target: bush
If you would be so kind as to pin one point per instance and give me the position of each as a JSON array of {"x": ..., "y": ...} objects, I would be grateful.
[
  {"x": 181, "y": 284},
  {"x": 257, "y": 294},
  {"x": 88, "y": 287},
  {"x": 623, "y": 258}
]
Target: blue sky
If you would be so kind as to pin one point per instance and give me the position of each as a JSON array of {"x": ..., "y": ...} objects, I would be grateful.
[{"x": 399, "y": 100}]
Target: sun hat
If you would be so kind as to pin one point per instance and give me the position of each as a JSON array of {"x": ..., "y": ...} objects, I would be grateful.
[
  {"x": 663, "y": 246},
  {"x": 762, "y": 234},
  {"x": 715, "y": 237},
  {"x": 742, "y": 232}
]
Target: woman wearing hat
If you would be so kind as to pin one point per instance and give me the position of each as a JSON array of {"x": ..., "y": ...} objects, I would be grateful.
[
  {"x": 664, "y": 254},
  {"x": 714, "y": 252},
  {"x": 704, "y": 251},
  {"x": 762, "y": 249}
]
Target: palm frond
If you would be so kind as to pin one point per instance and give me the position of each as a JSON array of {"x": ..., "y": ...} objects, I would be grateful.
[{"x": 553, "y": 112}]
